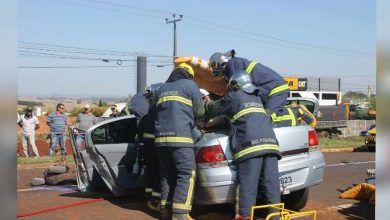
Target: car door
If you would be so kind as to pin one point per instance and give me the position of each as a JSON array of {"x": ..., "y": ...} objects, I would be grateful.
[
  {"x": 88, "y": 178},
  {"x": 112, "y": 146}
]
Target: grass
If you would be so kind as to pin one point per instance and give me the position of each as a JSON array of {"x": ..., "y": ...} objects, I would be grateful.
[
  {"x": 41, "y": 160},
  {"x": 354, "y": 142},
  {"x": 38, "y": 137}
]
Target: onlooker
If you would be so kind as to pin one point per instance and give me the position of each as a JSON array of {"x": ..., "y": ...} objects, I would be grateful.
[
  {"x": 115, "y": 113},
  {"x": 84, "y": 120},
  {"x": 29, "y": 123},
  {"x": 57, "y": 122}
]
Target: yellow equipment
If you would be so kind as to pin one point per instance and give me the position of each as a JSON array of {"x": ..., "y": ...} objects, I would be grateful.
[
  {"x": 203, "y": 76},
  {"x": 284, "y": 214},
  {"x": 371, "y": 139},
  {"x": 363, "y": 191}
]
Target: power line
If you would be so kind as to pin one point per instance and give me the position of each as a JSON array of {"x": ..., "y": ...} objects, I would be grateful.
[
  {"x": 131, "y": 7},
  {"x": 71, "y": 67},
  {"x": 95, "y": 7},
  {"x": 329, "y": 49},
  {"x": 74, "y": 51},
  {"x": 76, "y": 67},
  {"x": 276, "y": 44},
  {"x": 63, "y": 47},
  {"x": 278, "y": 39},
  {"x": 23, "y": 52}
]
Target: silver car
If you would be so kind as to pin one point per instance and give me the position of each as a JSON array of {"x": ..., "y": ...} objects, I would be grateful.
[{"x": 111, "y": 157}]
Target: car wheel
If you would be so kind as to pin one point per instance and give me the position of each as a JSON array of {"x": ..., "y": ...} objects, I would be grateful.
[{"x": 296, "y": 200}]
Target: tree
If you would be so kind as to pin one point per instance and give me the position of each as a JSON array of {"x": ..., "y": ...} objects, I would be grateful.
[
  {"x": 372, "y": 104},
  {"x": 355, "y": 97},
  {"x": 102, "y": 103}
]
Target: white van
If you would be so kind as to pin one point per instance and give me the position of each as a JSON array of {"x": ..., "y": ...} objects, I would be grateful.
[{"x": 324, "y": 98}]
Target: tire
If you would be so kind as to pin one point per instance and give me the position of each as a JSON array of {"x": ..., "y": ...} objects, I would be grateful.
[
  {"x": 59, "y": 178},
  {"x": 296, "y": 200},
  {"x": 58, "y": 169}
]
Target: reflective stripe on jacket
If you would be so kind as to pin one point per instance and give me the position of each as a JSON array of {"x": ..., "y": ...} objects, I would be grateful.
[
  {"x": 175, "y": 104},
  {"x": 251, "y": 131},
  {"x": 261, "y": 75}
]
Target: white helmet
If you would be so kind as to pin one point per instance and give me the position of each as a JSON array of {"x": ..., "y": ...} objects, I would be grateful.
[
  {"x": 204, "y": 92},
  {"x": 151, "y": 90},
  {"x": 218, "y": 62},
  {"x": 241, "y": 80}
]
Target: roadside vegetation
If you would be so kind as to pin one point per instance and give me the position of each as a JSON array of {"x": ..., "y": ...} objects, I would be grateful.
[
  {"x": 354, "y": 142},
  {"x": 44, "y": 159}
]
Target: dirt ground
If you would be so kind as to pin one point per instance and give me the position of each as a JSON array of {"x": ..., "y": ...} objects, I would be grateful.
[
  {"x": 323, "y": 198},
  {"x": 43, "y": 148}
]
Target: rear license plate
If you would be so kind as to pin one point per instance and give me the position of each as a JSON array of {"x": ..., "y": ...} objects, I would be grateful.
[{"x": 285, "y": 180}]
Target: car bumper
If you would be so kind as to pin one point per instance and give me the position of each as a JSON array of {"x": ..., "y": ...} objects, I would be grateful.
[{"x": 217, "y": 185}]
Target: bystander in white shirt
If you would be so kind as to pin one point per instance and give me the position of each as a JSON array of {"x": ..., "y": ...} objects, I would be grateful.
[{"x": 29, "y": 124}]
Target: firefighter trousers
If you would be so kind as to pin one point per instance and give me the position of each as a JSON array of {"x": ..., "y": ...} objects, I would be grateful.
[
  {"x": 152, "y": 170},
  {"x": 177, "y": 170},
  {"x": 257, "y": 175}
]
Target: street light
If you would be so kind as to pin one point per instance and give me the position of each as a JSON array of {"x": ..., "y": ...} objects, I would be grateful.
[{"x": 118, "y": 62}]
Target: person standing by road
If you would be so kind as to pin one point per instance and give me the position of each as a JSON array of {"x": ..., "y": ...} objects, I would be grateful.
[
  {"x": 253, "y": 142},
  {"x": 178, "y": 103},
  {"x": 29, "y": 123},
  {"x": 57, "y": 122},
  {"x": 85, "y": 120}
]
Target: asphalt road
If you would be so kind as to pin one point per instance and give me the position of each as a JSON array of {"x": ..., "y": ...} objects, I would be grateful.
[{"x": 343, "y": 170}]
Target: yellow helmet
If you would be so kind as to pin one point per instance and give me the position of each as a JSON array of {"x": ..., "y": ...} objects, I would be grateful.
[{"x": 188, "y": 68}]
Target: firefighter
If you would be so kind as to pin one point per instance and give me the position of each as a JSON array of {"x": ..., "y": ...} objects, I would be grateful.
[
  {"x": 178, "y": 104},
  {"x": 151, "y": 178},
  {"x": 273, "y": 88},
  {"x": 253, "y": 142},
  {"x": 139, "y": 105}
]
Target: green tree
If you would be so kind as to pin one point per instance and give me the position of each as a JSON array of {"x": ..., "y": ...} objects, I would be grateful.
[
  {"x": 102, "y": 103},
  {"x": 354, "y": 96},
  {"x": 372, "y": 104}
]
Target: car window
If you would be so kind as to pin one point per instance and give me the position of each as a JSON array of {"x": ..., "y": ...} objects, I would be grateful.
[
  {"x": 309, "y": 105},
  {"x": 120, "y": 131}
]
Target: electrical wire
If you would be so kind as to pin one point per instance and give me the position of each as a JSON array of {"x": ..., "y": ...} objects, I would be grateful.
[
  {"x": 276, "y": 44},
  {"x": 308, "y": 45},
  {"x": 90, "y": 50}
]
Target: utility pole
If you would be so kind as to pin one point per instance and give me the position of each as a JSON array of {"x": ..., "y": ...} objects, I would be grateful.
[{"x": 174, "y": 32}]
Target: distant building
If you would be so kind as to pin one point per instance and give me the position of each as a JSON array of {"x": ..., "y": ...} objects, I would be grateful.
[{"x": 325, "y": 90}]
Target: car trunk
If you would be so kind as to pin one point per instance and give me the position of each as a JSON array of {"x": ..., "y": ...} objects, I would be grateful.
[{"x": 292, "y": 140}]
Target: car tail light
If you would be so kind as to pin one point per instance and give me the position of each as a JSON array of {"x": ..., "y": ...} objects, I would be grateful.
[
  {"x": 313, "y": 140},
  {"x": 211, "y": 156}
]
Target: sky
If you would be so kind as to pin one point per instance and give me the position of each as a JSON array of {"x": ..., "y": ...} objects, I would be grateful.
[{"x": 62, "y": 42}]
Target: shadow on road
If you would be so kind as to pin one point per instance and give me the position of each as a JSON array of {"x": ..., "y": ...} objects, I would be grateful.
[{"x": 360, "y": 210}]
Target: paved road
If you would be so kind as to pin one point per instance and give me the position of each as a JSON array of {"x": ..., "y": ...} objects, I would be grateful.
[{"x": 342, "y": 171}]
